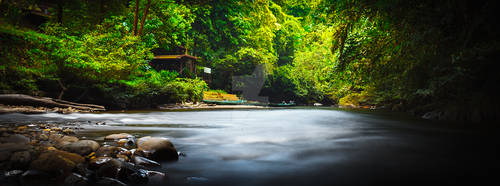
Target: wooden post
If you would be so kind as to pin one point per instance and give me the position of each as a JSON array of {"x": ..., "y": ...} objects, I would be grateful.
[
  {"x": 181, "y": 66},
  {"x": 191, "y": 66}
]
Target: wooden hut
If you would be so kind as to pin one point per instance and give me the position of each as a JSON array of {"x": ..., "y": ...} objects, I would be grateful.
[{"x": 176, "y": 60}]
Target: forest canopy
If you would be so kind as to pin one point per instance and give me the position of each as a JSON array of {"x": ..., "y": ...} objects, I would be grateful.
[{"x": 404, "y": 55}]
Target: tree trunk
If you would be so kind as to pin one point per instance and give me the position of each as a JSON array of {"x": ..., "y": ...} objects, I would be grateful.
[
  {"x": 101, "y": 11},
  {"x": 63, "y": 89},
  {"x": 144, "y": 17},
  {"x": 59, "y": 11},
  {"x": 136, "y": 16},
  {"x": 343, "y": 39}
]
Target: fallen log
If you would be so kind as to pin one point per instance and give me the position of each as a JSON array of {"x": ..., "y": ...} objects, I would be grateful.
[
  {"x": 25, "y": 100},
  {"x": 78, "y": 104}
]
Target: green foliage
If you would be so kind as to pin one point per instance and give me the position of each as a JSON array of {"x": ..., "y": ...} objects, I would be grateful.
[
  {"x": 22, "y": 67},
  {"x": 105, "y": 59},
  {"x": 165, "y": 87},
  {"x": 167, "y": 25},
  {"x": 347, "y": 51},
  {"x": 104, "y": 55}
]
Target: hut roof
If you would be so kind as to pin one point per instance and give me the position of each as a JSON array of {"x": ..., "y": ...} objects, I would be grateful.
[{"x": 175, "y": 57}]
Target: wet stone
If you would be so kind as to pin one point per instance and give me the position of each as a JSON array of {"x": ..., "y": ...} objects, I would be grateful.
[
  {"x": 20, "y": 159},
  {"x": 9, "y": 148},
  {"x": 68, "y": 131},
  {"x": 82, "y": 147},
  {"x": 123, "y": 157},
  {"x": 157, "y": 178},
  {"x": 22, "y": 127},
  {"x": 109, "y": 169},
  {"x": 97, "y": 162},
  {"x": 4, "y": 155},
  {"x": 16, "y": 138},
  {"x": 107, "y": 151},
  {"x": 125, "y": 152},
  {"x": 105, "y": 181},
  {"x": 181, "y": 154},
  {"x": 138, "y": 160},
  {"x": 43, "y": 137},
  {"x": 118, "y": 136},
  {"x": 132, "y": 174},
  {"x": 140, "y": 176},
  {"x": 11, "y": 177},
  {"x": 75, "y": 180},
  {"x": 13, "y": 173},
  {"x": 57, "y": 161},
  {"x": 157, "y": 148},
  {"x": 56, "y": 129},
  {"x": 35, "y": 177},
  {"x": 82, "y": 169},
  {"x": 55, "y": 137},
  {"x": 65, "y": 140},
  {"x": 127, "y": 143}
]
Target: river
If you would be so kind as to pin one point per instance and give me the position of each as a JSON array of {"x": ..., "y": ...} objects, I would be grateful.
[{"x": 302, "y": 146}]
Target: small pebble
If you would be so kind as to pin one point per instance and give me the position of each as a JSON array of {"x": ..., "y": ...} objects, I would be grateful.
[{"x": 68, "y": 131}]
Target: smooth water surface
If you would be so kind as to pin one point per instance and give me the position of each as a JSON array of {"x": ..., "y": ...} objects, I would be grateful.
[{"x": 302, "y": 146}]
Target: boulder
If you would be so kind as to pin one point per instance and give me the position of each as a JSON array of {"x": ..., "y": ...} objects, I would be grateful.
[
  {"x": 141, "y": 161},
  {"x": 107, "y": 151},
  {"x": 57, "y": 161},
  {"x": 4, "y": 155},
  {"x": 82, "y": 169},
  {"x": 55, "y": 137},
  {"x": 65, "y": 140},
  {"x": 130, "y": 173},
  {"x": 16, "y": 138},
  {"x": 139, "y": 176},
  {"x": 97, "y": 162},
  {"x": 82, "y": 147},
  {"x": 20, "y": 159},
  {"x": 6, "y": 149},
  {"x": 110, "y": 168},
  {"x": 157, "y": 178},
  {"x": 118, "y": 136},
  {"x": 157, "y": 148}
]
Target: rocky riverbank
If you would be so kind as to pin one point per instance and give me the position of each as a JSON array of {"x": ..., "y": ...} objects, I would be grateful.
[
  {"x": 20, "y": 103},
  {"x": 37, "y": 110},
  {"x": 45, "y": 154},
  {"x": 204, "y": 106}
]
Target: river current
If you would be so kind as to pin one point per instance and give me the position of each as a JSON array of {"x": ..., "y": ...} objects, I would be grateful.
[{"x": 301, "y": 146}]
